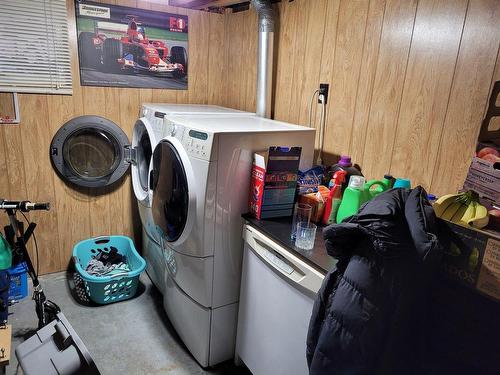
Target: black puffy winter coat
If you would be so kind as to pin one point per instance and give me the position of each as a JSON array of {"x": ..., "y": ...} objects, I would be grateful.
[{"x": 370, "y": 313}]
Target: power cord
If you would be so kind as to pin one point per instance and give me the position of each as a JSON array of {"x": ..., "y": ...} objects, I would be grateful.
[
  {"x": 320, "y": 134},
  {"x": 36, "y": 245},
  {"x": 319, "y": 160},
  {"x": 309, "y": 123}
]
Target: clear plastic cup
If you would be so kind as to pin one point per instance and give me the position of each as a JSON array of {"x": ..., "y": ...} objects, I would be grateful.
[
  {"x": 305, "y": 235},
  {"x": 301, "y": 213}
]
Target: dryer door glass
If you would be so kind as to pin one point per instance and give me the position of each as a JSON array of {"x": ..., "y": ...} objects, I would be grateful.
[
  {"x": 171, "y": 195},
  {"x": 90, "y": 151}
]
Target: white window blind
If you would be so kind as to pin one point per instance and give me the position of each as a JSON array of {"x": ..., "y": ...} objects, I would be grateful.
[{"x": 35, "y": 56}]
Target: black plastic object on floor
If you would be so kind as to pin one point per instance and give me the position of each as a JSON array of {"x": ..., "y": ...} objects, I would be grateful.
[{"x": 56, "y": 349}]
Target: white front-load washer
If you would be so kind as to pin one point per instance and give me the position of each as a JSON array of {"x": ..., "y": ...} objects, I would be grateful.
[
  {"x": 148, "y": 130},
  {"x": 200, "y": 179}
]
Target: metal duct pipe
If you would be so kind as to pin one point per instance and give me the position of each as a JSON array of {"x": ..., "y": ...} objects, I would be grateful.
[{"x": 265, "y": 56}]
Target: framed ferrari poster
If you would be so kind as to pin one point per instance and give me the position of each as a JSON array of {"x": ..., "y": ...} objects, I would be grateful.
[{"x": 129, "y": 47}]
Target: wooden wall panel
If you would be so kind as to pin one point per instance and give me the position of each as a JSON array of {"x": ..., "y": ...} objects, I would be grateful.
[
  {"x": 388, "y": 87},
  {"x": 346, "y": 70},
  {"x": 40, "y": 183},
  {"x": 4, "y": 174},
  {"x": 364, "y": 94},
  {"x": 283, "y": 72},
  {"x": 469, "y": 94},
  {"x": 434, "y": 50},
  {"x": 216, "y": 59},
  {"x": 249, "y": 68},
  {"x": 308, "y": 45},
  {"x": 198, "y": 58}
]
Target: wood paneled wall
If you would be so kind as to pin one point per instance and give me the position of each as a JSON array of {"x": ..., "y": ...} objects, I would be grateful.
[
  {"x": 409, "y": 80},
  {"x": 25, "y": 168}
]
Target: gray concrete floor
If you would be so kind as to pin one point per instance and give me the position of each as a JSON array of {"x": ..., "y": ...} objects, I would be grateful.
[{"x": 129, "y": 337}]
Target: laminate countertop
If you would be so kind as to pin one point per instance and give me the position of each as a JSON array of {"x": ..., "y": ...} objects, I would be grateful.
[{"x": 278, "y": 230}]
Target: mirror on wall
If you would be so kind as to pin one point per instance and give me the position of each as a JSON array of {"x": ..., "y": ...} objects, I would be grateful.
[{"x": 9, "y": 108}]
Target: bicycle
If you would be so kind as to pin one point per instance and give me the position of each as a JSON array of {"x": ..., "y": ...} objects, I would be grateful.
[{"x": 46, "y": 310}]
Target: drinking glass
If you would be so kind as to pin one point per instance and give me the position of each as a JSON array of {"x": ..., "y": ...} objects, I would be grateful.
[
  {"x": 306, "y": 234},
  {"x": 301, "y": 214}
]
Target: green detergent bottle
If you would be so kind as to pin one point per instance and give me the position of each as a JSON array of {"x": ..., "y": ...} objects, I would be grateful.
[
  {"x": 354, "y": 196},
  {"x": 5, "y": 254},
  {"x": 375, "y": 187}
]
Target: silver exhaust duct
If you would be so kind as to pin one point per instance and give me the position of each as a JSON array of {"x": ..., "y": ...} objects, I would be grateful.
[{"x": 265, "y": 57}]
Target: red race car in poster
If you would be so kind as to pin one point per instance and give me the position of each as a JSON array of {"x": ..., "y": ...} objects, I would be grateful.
[{"x": 133, "y": 52}]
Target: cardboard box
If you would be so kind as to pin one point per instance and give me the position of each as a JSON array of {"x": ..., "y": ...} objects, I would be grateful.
[
  {"x": 472, "y": 257},
  {"x": 317, "y": 202},
  {"x": 274, "y": 182},
  {"x": 484, "y": 174}
]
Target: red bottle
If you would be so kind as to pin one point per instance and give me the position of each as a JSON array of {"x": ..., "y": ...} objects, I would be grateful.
[{"x": 334, "y": 198}]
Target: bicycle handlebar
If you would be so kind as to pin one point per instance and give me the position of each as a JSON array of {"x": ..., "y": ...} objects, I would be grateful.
[{"x": 23, "y": 206}]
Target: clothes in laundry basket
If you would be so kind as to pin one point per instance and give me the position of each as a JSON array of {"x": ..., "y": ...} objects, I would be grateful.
[{"x": 107, "y": 263}]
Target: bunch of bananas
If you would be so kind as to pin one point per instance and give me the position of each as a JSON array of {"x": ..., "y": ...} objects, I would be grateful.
[{"x": 463, "y": 208}]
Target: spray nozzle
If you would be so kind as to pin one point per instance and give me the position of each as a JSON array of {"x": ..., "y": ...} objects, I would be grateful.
[{"x": 339, "y": 177}]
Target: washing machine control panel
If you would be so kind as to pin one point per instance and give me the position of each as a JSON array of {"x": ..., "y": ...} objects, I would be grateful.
[{"x": 197, "y": 143}]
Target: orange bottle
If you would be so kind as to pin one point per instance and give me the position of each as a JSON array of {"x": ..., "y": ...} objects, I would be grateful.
[{"x": 334, "y": 198}]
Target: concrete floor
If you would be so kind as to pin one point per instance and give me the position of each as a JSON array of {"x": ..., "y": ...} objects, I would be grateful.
[{"x": 129, "y": 337}]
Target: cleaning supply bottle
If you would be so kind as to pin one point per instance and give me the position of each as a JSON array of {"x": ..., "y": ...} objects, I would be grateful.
[
  {"x": 5, "y": 254},
  {"x": 403, "y": 183},
  {"x": 334, "y": 198},
  {"x": 344, "y": 164},
  {"x": 354, "y": 196},
  {"x": 375, "y": 187}
]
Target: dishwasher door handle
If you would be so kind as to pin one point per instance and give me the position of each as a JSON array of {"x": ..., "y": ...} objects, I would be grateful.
[{"x": 283, "y": 261}]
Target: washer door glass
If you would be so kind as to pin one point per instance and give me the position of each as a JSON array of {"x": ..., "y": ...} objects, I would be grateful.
[
  {"x": 170, "y": 191},
  {"x": 90, "y": 151}
]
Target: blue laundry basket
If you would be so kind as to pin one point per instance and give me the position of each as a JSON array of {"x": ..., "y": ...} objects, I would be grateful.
[{"x": 114, "y": 288}]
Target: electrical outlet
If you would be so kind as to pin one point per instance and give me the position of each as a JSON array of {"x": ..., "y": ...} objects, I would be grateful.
[{"x": 323, "y": 90}]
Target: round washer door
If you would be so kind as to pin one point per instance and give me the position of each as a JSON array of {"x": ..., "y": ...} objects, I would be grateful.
[
  {"x": 90, "y": 151},
  {"x": 143, "y": 142},
  {"x": 174, "y": 199}
]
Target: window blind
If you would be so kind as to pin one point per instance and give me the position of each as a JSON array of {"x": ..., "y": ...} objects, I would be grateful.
[{"x": 35, "y": 55}]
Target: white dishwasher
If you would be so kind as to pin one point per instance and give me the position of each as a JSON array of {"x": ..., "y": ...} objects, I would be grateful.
[{"x": 276, "y": 299}]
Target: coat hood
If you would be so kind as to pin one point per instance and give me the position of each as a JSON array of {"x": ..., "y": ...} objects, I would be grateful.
[{"x": 395, "y": 223}]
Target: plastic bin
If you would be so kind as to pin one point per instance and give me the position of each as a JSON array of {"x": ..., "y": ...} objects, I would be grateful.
[
  {"x": 55, "y": 349},
  {"x": 18, "y": 282},
  {"x": 109, "y": 289}
]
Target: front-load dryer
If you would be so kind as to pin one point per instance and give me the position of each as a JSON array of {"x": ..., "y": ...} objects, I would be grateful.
[
  {"x": 148, "y": 130},
  {"x": 200, "y": 179}
]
